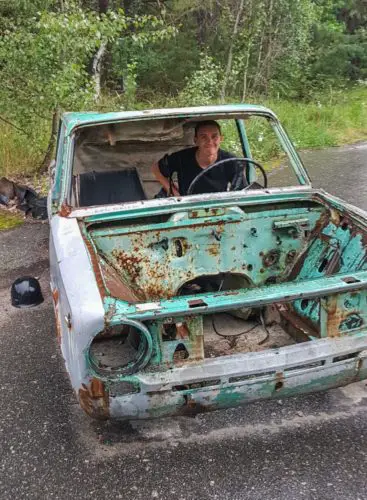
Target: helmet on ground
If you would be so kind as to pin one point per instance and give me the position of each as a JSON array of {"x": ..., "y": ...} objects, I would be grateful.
[{"x": 26, "y": 292}]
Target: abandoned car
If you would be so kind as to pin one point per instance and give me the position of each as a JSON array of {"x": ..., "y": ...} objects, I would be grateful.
[{"x": 172, "y": 300}]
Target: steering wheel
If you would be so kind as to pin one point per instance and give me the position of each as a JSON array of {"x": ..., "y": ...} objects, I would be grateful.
[{"x": 227, "y": 160}]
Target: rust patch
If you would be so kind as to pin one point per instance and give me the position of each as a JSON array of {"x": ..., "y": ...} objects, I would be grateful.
[
  {"x": 334, "y": 316},
  {"x": 117, "y": 287},
  {"x": 55, "y": 298},
  {"x": 130, "y": 263},
  {"x": 190, "y": 408},
  {"x": 213, "y": 249},
  {"x": 65, "y": 210},
  {"x": 94, "y": 399},
  {"x": 279, "y": 381},
  {"x": 291, "y": 255},
  {"x": 334, "y": 216},
  {"x": 96, "y": 269}
]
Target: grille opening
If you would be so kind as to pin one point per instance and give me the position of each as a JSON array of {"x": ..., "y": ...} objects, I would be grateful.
[
  {"x": 196, "y": 385},
  {"x": 344, "y": 357},
  {"x": 307, "y": 366},
  {"x": 253, "y": 376}
]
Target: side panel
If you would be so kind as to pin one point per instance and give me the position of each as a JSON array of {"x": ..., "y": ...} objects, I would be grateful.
[{"x": 78, "y": 307}]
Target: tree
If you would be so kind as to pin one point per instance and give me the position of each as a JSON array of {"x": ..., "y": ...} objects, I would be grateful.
[{"x": 44, "y": 59}]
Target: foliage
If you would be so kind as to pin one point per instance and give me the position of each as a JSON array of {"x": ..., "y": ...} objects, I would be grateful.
[
  {"x": 44, "y": 61},
  {"x": 82, "y": 54},
  {"x": 203, "y": 84}
]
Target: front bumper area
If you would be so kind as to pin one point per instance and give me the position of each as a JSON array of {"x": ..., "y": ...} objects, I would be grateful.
[{"x": 235, "y": 380}]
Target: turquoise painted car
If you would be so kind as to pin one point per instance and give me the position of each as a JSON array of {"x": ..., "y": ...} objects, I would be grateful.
[{"x": 176, "y": 304}]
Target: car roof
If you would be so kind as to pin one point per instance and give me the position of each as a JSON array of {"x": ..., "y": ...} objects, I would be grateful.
[{"x": 77, "y": 119}]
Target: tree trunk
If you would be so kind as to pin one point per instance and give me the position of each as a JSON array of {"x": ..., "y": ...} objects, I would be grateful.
[
  {"x": 96, "y": 70},
  {"x": 230, "y": 52},
  {"x": 51, "y": 144},
  {"x": 249, "y": 47}
]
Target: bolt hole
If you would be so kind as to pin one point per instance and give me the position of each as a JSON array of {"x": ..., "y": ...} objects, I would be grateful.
[
  {"x": 179, "y": 249},
  {"x": 323, "y": 264},
  {"x": 304, "y": 304}
]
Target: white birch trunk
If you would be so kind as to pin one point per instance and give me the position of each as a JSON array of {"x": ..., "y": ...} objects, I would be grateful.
[{"x": 96, "y": 68}]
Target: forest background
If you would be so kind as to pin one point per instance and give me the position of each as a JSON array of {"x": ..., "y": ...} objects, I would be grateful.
[{"x": 306, "y": 59}]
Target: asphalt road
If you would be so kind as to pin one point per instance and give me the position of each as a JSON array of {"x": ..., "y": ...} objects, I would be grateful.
[{"x": 308, "y": 447}]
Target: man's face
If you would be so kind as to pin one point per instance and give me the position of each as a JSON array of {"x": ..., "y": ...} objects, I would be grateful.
[{"x": 208, "y": 139}]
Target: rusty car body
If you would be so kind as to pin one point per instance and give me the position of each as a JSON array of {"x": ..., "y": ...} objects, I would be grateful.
[{"x": 171, "y": 306}]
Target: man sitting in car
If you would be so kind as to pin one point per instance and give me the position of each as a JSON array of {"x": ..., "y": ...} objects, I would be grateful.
[{"x": 189, "y": 163}]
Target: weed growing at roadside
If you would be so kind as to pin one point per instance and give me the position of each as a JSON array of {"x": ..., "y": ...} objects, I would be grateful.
[{"x": 9, "y": 221}]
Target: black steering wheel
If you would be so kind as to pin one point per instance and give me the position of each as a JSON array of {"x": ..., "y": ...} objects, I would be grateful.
[{"x": 227, "y": 160}]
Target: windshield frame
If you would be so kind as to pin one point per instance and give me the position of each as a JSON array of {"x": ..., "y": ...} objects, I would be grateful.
[{"x": 215, "y": 113}]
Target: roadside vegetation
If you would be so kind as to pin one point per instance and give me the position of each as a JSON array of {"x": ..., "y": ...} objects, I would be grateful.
[
  {"x": 9, "y": 220},
  {"x": 305, "y": 59}
]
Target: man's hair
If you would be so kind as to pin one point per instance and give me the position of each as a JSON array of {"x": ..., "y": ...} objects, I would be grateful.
[{"x": 206, "y": 123}]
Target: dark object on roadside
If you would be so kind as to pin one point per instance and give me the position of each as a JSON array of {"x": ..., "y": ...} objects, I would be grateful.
[
  {"x": 30, "y": 202},
  {"x": 26, "y": 292},
  {"x": 7, "y": 189},
  {"x": 4, "y": 200},
  {"x": 27, "y": 199}
]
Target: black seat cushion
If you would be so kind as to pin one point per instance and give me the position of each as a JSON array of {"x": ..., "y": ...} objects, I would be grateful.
[{"x": 102, "y": 188}]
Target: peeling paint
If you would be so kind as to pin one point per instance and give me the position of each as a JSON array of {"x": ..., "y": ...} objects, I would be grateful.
[{"x": 94, "y": 399}]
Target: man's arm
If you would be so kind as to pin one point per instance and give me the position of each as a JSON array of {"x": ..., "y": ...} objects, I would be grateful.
[{"x": 164, "y": 181}]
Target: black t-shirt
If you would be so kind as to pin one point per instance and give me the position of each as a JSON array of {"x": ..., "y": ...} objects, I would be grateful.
[{"x": 187, "y": 168}]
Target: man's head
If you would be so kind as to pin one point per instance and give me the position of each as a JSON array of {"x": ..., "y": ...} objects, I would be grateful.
[{"x": 208, "y": 137}]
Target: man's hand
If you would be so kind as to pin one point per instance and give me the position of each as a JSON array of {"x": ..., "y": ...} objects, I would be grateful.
[
  {"x": 175, "y": 190},
  {"x": 164, "y": 181}
]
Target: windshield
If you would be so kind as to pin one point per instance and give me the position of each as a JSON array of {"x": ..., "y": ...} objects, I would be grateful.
[{"x": 146, "y": 159}]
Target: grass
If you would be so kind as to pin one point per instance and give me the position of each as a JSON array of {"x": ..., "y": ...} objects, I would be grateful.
[
  {"x": 331, "y": 119},
  {"x": 21, "y": 154},
  {"x": 9, "y": 220}
]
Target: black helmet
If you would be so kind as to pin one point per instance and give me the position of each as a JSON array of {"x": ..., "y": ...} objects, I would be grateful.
[{"x": 26, "y": 292}]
